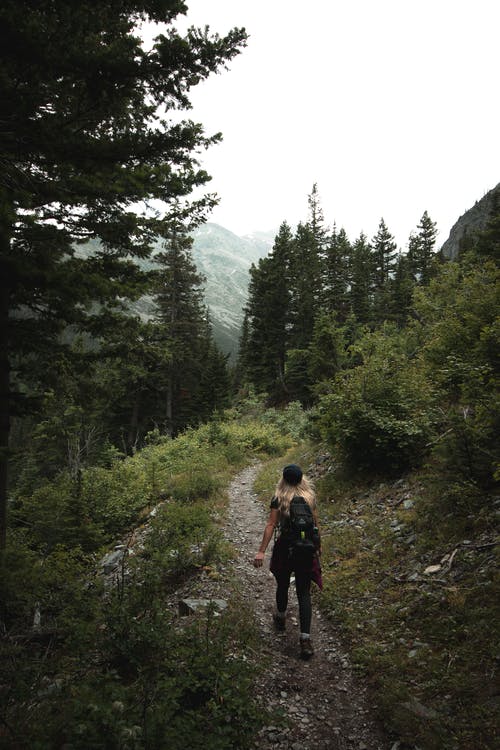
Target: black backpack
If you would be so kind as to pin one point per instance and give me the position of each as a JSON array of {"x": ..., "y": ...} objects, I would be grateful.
[{"x": 302, "y": 533}]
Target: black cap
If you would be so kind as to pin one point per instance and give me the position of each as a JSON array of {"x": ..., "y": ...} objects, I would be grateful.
[{"x": 292, "y": 474}]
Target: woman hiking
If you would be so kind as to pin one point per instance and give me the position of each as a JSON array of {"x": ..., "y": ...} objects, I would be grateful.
[{"x": 287, "y": 557}]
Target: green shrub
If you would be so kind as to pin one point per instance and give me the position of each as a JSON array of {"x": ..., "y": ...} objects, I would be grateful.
[
  {"x": 292, "y": 420},
  {"x": 115, "y": 496},
  {"x": 182, "y": 539},
  {"x": 379, "y": 413},
  {"x": 18, "y": 587},
  {"x": 59, "y": 512},
  {"x": 183, "y": 679},
  {"x": 195, "y": 484},
  {"x": 459, "y": 352}
]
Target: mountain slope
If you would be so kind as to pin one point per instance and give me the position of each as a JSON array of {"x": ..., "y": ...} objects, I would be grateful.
[
  {"x": 472, "y": 221},
  {"x": 224, "y": 259}
]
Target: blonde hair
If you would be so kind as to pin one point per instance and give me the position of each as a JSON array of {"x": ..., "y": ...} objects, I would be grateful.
[{"x": 285, "y": 492}]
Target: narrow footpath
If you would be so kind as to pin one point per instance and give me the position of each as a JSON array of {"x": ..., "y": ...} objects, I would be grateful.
[{"x": 326, "y": 705}]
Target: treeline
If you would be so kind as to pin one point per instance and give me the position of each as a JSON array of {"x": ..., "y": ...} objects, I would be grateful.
[
  {"x": 317, "y": 285},
  {"x": 396, "y": 353}
]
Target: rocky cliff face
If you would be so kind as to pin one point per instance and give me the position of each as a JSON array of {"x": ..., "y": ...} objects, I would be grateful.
[{"x": 474, "y": 220}]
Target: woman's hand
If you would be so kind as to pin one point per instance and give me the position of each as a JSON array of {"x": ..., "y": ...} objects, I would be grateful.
[{"x": 259, "y": 559}]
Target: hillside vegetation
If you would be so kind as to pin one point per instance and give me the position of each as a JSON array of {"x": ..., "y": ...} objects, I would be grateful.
[
  {"x": 405, "y": 413},
  {"x": 119, "y": 432},
  {"x": 401, "y": 422},
  {"x": 93, "y": 660}
]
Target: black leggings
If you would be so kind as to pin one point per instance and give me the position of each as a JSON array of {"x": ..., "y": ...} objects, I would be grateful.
[{"x": 303, "y": 589}]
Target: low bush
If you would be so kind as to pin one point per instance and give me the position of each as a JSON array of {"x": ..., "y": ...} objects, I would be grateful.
[{"x": 378, "y": 414}]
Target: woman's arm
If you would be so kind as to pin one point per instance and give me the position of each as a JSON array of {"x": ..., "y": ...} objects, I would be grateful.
[{"x": 266, "y": 537}]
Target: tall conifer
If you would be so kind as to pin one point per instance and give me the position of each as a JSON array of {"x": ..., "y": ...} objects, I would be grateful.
[
  {"x": 268, "y": 313},
  {"x": 384, "y": 251},
  {"x": 84, "y": 136},
  {"x": 316, "y": 219},
  {"x": 361, "y": 290},
  {"x": 307, "y": 270},
  {"x": 180, "y": 321},
  {"x": 421, "y": 249},
  {"x": 336, "y": 274},
  {"x": 305, "y": 286}
]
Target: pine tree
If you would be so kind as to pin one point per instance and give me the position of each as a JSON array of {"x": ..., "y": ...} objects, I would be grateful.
[
  {"x": 384, "y": 253},
  {"x": 401, "y": 291},
  {"x": 316, "y": 219},
  {"x": 268, "y": 313},
  {"x": 214, "y": 384},
  {"x": 384, "y": 257},
  {"x": 305, "y": 286},
  {"x": 361, "y": 291},
  {"x": 84, "y": 136},
  {"x": 180, "y": 322},
  {"x": 131, "y": 358},
  {"x": 421, "y": 249},
  {"x": 336, "y": 274},
  {"x": 310, "y": 263}
]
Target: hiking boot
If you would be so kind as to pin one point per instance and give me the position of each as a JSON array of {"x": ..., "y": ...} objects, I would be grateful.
[
  {"x": 279, "y": 623},
  {"x": 306, "y": 648}
]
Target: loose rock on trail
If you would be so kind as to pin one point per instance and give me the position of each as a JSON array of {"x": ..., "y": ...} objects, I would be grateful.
[{"x": 325, "y": 705}]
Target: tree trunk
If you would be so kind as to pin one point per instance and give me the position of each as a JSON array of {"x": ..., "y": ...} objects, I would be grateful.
[
  {"x": 133, "y": 432},
  {"x": 4, "y": 402},
  {"x": 7, "y": 218},
  {"x": 169, "y": 406}
]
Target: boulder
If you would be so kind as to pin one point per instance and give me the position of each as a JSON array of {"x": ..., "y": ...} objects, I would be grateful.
[
  {"x": 110, "y": 562},
  {"x": 192, "y": 606}
]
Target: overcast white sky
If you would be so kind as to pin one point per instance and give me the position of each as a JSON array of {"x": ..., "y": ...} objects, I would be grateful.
[{"x": 390, "y": 106}]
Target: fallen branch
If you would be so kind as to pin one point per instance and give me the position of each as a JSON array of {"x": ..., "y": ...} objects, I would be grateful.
[{"x": 449, "y": 562}]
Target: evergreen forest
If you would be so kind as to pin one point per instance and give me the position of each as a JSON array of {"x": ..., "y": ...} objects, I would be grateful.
[{"x": 375, "y": 368}]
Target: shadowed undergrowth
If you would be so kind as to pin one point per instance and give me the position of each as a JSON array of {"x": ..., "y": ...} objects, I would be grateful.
[{"x": 117, "y": 668}]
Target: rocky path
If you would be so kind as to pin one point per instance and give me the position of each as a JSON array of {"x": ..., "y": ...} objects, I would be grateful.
[{"x": 326, "y": 706}]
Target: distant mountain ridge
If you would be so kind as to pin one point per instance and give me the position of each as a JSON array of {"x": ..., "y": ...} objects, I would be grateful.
[{"x": 224, "y": 259}]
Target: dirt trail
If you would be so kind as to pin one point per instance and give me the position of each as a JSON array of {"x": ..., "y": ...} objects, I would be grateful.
[{"x": 326, "y": 705}]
